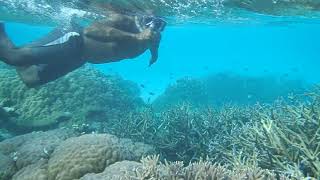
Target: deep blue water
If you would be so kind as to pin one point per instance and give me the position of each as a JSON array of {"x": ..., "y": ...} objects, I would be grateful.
[{"x": 196, "y": 50}]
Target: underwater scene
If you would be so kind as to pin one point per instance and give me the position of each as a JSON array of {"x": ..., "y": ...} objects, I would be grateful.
[{"x": 159, "y": 90}]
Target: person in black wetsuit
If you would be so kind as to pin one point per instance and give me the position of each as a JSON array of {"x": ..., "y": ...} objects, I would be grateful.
[{"x": 66, "y": 49}]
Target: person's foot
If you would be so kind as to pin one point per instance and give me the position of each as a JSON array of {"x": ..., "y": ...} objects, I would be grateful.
[
  {"x": 5, "y": 43},
  {"x": 2, "y": 32},
  {"x": 1, "y": 26}
]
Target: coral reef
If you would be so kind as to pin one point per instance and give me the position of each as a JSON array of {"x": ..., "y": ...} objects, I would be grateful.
[
  {"x": 82, "y": 155},
  {"x": 7, "y": 167},
  {"x": 151, "y": 168},
  {"x": 119, "y": 170},
  {"x": 279, "y": 140},
  {"x": 36, "y": 171},
  {"x": 75, "y": 98},
  {"x": 90, "y": 154},
  {"x": 283, "y": 136},
  {"x": 218, "y": 89},
  {"x": 182, "y": 133},
  {"x": 5, "y": 134},
  {"x": 30, "y": 148},
  {"x": 61, "y": 154}
]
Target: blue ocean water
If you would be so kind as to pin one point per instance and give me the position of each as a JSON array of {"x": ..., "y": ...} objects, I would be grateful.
[{"x": 196, "y": 50}]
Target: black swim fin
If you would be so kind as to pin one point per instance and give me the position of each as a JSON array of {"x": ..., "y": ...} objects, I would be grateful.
[{"x": 5, "y": 42}]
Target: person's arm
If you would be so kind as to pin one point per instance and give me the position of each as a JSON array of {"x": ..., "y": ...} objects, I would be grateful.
[
  {"x": 104, "y": 33},
  {"x": 154, "y": 49}
]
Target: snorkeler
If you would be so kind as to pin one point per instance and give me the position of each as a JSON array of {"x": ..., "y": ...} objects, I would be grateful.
[{"x": 66, "y": 49}]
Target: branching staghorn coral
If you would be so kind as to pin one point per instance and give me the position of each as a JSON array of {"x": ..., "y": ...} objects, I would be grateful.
[
  {"x": 285, "y": 136},
  {"x": 182, "y": 133},
  {"x": 153, "y": 169}
]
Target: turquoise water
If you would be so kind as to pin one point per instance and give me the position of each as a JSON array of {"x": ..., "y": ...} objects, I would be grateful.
[
  {"x": 235, "y": 85},
  {"x": 195, "y": 50}
]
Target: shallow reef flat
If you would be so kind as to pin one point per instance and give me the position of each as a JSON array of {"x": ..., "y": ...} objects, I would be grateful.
[
  {"x": 278, "y": 140},
  {"x": 62, "y": 154}
]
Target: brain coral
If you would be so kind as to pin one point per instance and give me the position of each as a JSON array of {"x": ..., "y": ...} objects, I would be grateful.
[
  {"x": 37, "y": 171},
  {"x": 30, "y": 148},
  {"x": 76, "y": 94},
  {"x": 81, "y": 155},
  {"x": 91, "y": 153},
  {"x": 7, "y": 167},
  {"x": 116, "y": 171},
  {"x": 59, "y": 155}
]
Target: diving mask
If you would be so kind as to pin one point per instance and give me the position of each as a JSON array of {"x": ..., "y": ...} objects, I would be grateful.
[{"x": 155, "y": 23}]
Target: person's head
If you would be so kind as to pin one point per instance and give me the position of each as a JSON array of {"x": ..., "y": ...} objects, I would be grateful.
[{"x": 153, "y": 22}]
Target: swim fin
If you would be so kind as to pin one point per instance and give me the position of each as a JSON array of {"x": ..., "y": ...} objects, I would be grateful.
[{"x": 5, "y": 42}]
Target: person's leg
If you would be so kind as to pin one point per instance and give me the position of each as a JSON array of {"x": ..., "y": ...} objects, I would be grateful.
[
  {"x": 29, "y": 75},
  {"x": 70, "y": 49},
  {"x": 37, "y": 75},
  {"x": 5, "y": 42}
]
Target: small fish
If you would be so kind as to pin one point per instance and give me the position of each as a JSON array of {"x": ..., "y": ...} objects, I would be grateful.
[
  {"x": 295, "y": 69},
  {"x": 246, "y": 69},
  {"x": 142, "y": 86},
  {"x": 286, "y": 74},
  {"x": 171, "y": 75},
  {"x": 151, "y": 94}
]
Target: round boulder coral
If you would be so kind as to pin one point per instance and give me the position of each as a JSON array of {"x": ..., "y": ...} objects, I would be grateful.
[
  {"x": 37, "y": 171},
  {"x": 7, "y": 167},
  {"x": 78, "y": 156},
  {"x": 117, "y": 171},
  {"x": 30, "y": 148}
]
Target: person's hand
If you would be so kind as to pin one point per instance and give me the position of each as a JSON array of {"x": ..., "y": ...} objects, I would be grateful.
[
  {"x": 150, "y": 36},
  {"x": 153, "y": 39}
]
